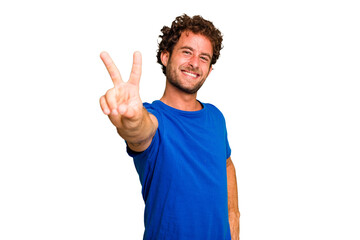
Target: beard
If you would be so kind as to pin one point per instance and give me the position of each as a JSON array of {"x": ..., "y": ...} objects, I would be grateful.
[{"x": 174, "y": 79}]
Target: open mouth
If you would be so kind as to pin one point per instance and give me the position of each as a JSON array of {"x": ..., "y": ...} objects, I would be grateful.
[{"x": 190, "y": 74}]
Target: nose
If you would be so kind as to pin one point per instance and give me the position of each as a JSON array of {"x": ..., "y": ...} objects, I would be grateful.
[{"x": 194, "y": 61}]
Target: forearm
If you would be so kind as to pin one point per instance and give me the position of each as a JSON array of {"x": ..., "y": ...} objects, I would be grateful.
[
  {"x": 232, "y": 188},
  {"x": 234, "y": 213},
  {"x": 138, "y": 133}
]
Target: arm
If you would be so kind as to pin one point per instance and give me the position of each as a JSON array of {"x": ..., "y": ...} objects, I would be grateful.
[
  {"x": 234, "y": 214},
  {"x": 123, "y": 105}
]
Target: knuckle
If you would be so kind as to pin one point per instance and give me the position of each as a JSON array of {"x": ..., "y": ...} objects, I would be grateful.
[{"x": 109, "y": 93}]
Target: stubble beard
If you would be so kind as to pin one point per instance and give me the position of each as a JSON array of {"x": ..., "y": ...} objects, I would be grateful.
[{"x": 173, "y": 79}]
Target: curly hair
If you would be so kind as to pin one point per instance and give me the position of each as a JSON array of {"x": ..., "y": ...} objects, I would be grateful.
[{"x": 197, "y": 25}]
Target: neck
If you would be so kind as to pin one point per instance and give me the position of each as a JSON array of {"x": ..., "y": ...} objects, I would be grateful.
[{"x": 178, "y": 99}]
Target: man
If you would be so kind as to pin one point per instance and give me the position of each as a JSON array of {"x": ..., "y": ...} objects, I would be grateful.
[{"x": 179, "y": 144}]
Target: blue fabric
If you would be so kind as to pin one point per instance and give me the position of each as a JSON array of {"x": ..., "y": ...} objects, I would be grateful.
[{"x": 183, "y": 175}]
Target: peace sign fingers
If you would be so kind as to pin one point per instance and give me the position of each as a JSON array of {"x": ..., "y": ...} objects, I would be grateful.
[
  {"x": 136, "y": 69},
  {"x": 112, "y": 69}
]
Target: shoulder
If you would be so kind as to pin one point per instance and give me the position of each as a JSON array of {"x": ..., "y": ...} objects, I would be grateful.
[
  {"x": 213, "y": 109},
  {"x": 153, "y": 108},
  {"x": 150, "y": 106}
]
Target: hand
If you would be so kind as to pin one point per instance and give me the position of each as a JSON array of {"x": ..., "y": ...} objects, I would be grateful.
[{"x": 122, "y": 102}]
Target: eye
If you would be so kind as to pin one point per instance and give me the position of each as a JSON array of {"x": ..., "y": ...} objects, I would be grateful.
[
  {"x": 186, "y": 52},
  {"x": 205, "y": 59}
]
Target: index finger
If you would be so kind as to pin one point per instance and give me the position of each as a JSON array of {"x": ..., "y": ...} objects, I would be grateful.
[{"x": 112, "y": 69}]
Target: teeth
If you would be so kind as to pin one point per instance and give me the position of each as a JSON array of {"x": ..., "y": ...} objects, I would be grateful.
[{"x": 190, "y": 74}]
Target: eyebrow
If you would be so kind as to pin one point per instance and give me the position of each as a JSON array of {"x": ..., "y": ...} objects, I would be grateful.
[{"x": 190, "y": 48}]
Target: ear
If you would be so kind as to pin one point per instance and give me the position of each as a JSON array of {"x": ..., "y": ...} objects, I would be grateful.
[{"x": 165, "y": 57}]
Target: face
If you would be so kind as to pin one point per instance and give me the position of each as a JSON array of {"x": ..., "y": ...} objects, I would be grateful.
[{"x": 190, "y": 62}]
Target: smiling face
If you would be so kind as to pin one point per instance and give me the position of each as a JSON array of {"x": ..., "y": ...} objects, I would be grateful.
[{"x": 189, "y": 63}]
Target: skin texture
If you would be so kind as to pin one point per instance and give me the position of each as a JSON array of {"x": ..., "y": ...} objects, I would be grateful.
[
  {"x": 190, "y": 62},
  {"x": 187, "y": 68},
  {"x": 123, "y": 105},
  {"x": 234, "y": 214}
]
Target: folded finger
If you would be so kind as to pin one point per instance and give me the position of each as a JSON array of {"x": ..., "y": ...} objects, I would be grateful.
[
  {"x": 111, "y": 100},
  {"x": 104, "y": 106}
]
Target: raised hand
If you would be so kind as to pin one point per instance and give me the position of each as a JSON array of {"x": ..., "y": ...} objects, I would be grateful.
[{"x": 122, "y": 103}]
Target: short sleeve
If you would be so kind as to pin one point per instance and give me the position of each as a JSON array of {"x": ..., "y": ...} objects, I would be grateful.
[
  {"x": 228, "y": 149},
  {"x": 134, "y": 154},
  {"x": 144, "y": 160}
]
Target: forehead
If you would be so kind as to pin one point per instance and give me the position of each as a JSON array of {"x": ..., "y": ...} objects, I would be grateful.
[{"x": 195, "y": 41}]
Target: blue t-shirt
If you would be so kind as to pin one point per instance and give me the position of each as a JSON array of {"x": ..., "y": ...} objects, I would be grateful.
[{"x": 183, "y": 175}]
